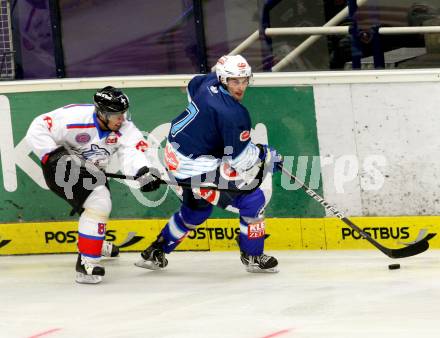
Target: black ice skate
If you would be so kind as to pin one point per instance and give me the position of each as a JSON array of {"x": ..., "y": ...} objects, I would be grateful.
[
  {"x": 88, "y": 271},
  {"x": 109, "y": 249},
  {"x": 261, "y": 263},
  {"x": 153, "y": 257}
]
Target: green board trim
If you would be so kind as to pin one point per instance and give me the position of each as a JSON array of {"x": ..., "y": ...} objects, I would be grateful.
[{"x": 287, "y": 112}]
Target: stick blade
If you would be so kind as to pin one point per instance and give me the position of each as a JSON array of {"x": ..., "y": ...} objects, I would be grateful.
[{"x": 413, "y": 249}]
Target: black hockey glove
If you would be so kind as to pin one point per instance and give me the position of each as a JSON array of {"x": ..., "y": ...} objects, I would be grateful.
[{"x": 149, "y": 179}]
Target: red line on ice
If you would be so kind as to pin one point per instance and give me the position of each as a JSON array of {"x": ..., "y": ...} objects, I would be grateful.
[
  {"x": 44, "y": 333},
  {"x": 275, "y": 334}
]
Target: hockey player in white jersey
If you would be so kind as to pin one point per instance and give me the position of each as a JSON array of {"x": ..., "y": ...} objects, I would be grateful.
[{"x": 74, "y": 144}]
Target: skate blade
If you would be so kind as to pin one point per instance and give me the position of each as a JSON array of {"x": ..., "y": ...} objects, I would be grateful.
[
  {"x": 256, "y": 269},
  {"x": 147, "y": 265},
  {"x": 87, "y": 279}
]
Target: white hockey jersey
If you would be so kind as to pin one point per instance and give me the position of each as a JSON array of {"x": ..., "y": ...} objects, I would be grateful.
[{"x": 76, "y": 127}]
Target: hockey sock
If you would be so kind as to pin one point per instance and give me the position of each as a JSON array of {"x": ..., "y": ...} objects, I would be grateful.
[
  {"x": 91, "y": 235},
  {"x": 93, "y": 222},
  {"x": 252, "y": 227},
  {"x": 251, "y": 237},
  {"x": 173, "y": 233}
]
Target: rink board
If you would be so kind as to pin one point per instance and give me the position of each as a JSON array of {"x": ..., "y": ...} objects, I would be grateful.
[
  {"x": 280, "y": 116},
  {"x": 218, "y": 234}
]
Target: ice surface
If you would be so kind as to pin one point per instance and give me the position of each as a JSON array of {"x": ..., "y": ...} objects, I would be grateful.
[{"x": 209, "y": 294}]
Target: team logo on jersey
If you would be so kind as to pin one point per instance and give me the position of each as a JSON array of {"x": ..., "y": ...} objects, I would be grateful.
[
  {"x": 112, "y": 138},
  {"x": 209, "y": 195},
  {"x": 245, "y": 135},
  {"x": 95, "y": 151},
  {"x": 170, "y": 158},
  {"x": 49, "y": 122},
  {"x": 228, "y": 172},
  {"x": 142, "y": 146},
  {"x": 82, "y": 138},
  {"x": 256, "y": 230},
  {"x": 213, "y": 89}
]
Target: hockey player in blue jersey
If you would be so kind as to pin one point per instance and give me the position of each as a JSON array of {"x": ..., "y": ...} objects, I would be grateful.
[{"x": 210, "y": 142}]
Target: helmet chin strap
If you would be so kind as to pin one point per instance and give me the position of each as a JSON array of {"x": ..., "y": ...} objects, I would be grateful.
[{"x": 104, "y": 122}]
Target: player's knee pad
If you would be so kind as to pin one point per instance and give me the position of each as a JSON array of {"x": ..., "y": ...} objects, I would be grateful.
[
  {"x": 194, "y": 217},
  {"x": 99, "y": 204},
  {"x": 251, "y": 205}
]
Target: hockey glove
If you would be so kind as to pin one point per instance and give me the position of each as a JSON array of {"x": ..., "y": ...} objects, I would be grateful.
[
  {"x": 270, "y": 157},
  {"x": 149, "y": 179}
]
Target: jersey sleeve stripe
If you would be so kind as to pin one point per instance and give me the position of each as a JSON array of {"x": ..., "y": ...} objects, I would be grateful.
[
  {"x": 76, "y": 105},
  {"x": 80, "y": 125},
  {"x": 247, "y": 158}
]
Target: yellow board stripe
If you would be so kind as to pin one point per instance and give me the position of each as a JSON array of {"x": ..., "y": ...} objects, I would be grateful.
[{"x": 219, "y": 234}]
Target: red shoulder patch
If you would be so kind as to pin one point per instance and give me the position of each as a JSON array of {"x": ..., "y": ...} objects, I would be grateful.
[
  {"x": 171, "y": 159},
  {"x": 49, "y": 122},
  {"x": 142, "y": 146},
  {"x": 245, "y": 135}
]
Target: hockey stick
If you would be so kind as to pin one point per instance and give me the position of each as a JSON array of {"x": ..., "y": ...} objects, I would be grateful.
[
  {"x": 175, "y": 183},
  {"x": 81, "y": 164},
  {"x": 412, "y": 249}
]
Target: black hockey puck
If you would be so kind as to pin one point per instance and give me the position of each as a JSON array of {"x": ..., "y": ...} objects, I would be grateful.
[{"x": 394, "y": 266}]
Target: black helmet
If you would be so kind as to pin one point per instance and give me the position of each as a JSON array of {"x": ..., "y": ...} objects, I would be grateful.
[{"x": 109, "y": 101}]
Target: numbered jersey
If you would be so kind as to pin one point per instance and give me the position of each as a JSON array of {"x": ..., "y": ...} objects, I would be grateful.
[
  {"x": 76, "y": 128},
  {"x": 213, "y": 127}
]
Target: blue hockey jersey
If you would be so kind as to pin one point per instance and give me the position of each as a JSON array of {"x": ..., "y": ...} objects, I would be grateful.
[{"x": 214, "y": 125}]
